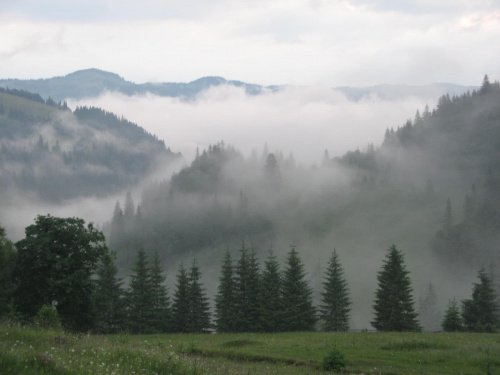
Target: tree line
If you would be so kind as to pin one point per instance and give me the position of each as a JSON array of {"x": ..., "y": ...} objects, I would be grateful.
[{"x": 65, "y": 265}]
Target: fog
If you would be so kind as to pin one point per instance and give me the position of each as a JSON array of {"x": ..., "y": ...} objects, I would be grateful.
[
  {"x": 300, "y": 120},
  {"x": 316, "y": 208}
]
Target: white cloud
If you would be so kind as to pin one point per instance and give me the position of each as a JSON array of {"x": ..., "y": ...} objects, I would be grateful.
[
  {"x": 302, "y": 120},
  {"x": 270, "y": 42}
]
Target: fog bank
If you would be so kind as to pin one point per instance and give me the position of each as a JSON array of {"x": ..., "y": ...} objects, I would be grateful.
[{"x": 300, "y": 120}]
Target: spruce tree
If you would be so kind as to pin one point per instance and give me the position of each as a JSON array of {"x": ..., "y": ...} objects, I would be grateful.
[
  {"x": 394, "y": 306},
  {"x": 452, "y": 321},
  {"x": 181, "y": 305},
  {"x": 271, "y": 305},
  {"x": 7, "y": 263},
  {"x": 160, "y": 302},
  {"x": 109, "y": 298},
  {"x": 247, "y": 291},
  {"x": 481, "y": 312},
  {"x": 299, "y": 313},
  {"x": 139, "y": 296},
  {"x": 225, "y": 314},
  {"x": 335, "y": 308},
  {"x": 199, "y": 307}
]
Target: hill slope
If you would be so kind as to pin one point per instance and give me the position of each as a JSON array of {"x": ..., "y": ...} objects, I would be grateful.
[{"x": 48, "y": 151}]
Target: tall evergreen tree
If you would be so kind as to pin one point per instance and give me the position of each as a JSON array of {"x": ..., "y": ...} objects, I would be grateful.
[
  {"x": 139, "y": 296},
  {"x": 247, "y": 291},
  {"x": 7, "y": 263},
  {"x": 181, "y": 306},
  {"x": 452, "y": 321},
  {"x": 299, "y": 313},
  {"x": 481, "y": 312},
  {"x": 335, "y": 309},
  {"x": 394, "y": 306},
  {"x": 271, "y": 306},
  {"x": 225, "y": 313},
  {"x": 199, "y": 311},
  {"x": 160, "y": 302},
  {"x": 109, "y": 298}
]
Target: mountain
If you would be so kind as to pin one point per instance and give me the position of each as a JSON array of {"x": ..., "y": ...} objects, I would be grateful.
[
  {"x": 395, "y": 92},
  {"x": 53, "y": 154},
  {"x": 92, "y": 82}
]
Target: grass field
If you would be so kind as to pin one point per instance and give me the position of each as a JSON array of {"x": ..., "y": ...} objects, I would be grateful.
[{"x": 41, "y": 352}]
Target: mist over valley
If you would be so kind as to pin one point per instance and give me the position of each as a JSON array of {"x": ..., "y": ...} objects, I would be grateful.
[{"x": 191, "y": 175}]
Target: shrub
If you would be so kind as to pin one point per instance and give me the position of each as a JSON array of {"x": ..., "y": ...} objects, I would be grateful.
[
  {"x": 47, "y": 317},
  {"x": 333, "y": 361}
]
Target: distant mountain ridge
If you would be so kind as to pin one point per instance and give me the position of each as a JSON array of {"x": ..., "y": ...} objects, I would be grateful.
[{"x": 92, "y": 82}]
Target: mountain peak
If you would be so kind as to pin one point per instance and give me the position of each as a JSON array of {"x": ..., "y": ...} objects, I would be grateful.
[{"x": 94, "y": 73}]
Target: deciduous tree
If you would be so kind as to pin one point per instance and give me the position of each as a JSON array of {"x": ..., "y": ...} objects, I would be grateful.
[{"x": 55, "y": 264}]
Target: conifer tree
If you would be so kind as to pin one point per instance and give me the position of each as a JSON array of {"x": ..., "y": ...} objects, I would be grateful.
[
  {"x": 109, "y": 298},
  {"x": 139, "y": 296},
  {"x": 299, "y": 313},
  {"x": 271, "y": 305},
  {"x": 181, "y": 305},
  {"x": 452, "y": 321},
  {"x": 199, "y": 307},
  {"x": 394, "y": 306},
  {"x": 481, "y": 312},
  {"x": 160, "y": 302},
  {"x": 225, "y": 314},
  {"x": 7, "y": 263},
  {"x": 335, "y": 309},
  {"x": 247, "y": 291}
]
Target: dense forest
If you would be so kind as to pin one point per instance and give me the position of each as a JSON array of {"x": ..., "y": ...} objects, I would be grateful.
[
  {"x": 53, "y": 153},
  {"x": 431, "y": 187}
]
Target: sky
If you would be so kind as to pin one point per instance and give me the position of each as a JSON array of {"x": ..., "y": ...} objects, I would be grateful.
[{"x": 298, "y": 42}]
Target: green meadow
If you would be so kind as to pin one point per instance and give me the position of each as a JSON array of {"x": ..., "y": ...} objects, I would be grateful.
[{"x": 25, "y": 350}]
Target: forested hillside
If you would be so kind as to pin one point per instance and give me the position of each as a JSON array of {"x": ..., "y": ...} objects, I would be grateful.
[
  {"x": 359, "y": 203},
  {"x": 53, "y": 154}
]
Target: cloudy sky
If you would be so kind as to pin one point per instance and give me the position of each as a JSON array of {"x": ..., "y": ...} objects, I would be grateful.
[{"x": 305, "y": 42}]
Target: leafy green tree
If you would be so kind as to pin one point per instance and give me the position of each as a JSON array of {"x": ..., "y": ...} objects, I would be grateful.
[
  {"x": 225, "y": 313},
  {"x": 139, "y": 296},
  {"x": 247, "y": 291},
  {"x": 199, "y": 307},
  {"x": 7, "y": 263},
  {"x": 452, "y": 321},
  {"x": 56, "y": 261},
  {"x": 181, "y": 305},
  {"x": 481, "y": 312},
  {"x": 299, "y": 313},
  {"x": 109, "y": 298},
  {"x": 271, "y": 306},
  {"x": 160, "y": 302},
  {"x": 394, "y": 305},
  {"x": 47, "y": 317},
  {"x": 335, "y": 308}
]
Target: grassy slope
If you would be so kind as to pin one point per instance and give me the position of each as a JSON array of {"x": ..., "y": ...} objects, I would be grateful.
[
  {"x": 31, "y": 351},
  {"x": 30, "y": 107}
]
